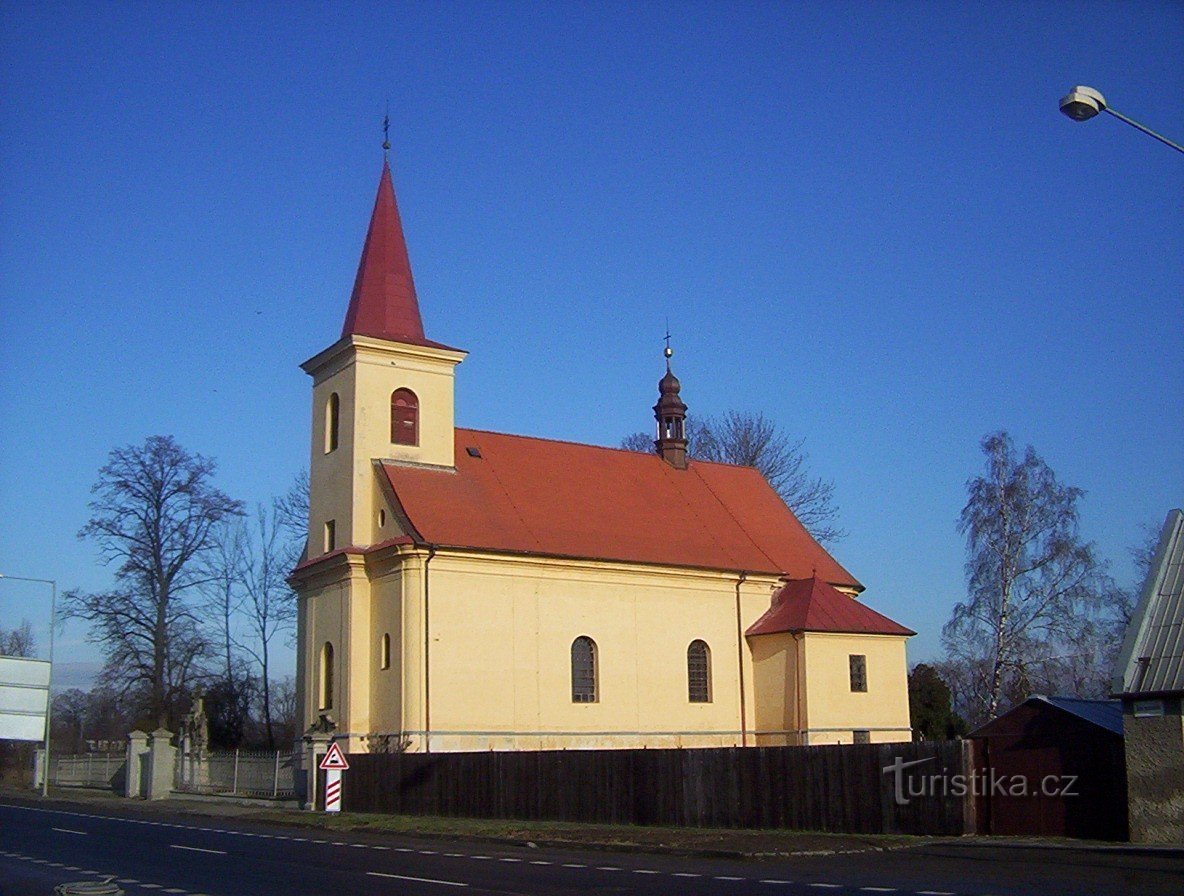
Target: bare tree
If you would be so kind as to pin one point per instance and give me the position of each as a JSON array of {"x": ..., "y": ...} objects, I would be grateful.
[
  {"x": 17, "y": 641},
  {"x": 269, "y": 603},
  {"x": 1034, "y": 587},
  {"x": 291, "y": 515},
  {"x": 750, "y": 439},
  {"x": 228, "y": 697},
  {"x": 155, "y": 513},
  {"x": 222, "y": 572}
]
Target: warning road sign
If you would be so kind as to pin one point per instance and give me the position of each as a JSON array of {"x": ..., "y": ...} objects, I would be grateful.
[
  {"x": 334, "y": 760},
  {"x": 333, "y": 790}
]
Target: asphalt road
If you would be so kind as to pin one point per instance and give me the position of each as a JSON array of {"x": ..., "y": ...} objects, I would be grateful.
[{"x": 42, "y": 846}]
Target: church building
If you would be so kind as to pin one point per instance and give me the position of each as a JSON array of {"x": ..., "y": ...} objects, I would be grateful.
[{"x": 472, "y": 590}]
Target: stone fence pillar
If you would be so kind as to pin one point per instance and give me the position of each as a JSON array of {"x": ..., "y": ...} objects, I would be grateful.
[
  {"x": 137, "y": 759},
  {"x": 162, "y": 764}
]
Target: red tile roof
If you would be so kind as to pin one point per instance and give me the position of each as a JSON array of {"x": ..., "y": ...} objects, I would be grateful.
[
  {"x": 811, "y": 605},
  {"x": 537, "y": 496},
  {"x": 384, "y": 304}
]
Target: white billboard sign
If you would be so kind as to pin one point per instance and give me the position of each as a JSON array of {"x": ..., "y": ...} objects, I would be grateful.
[{"x": 24, "y": 698}]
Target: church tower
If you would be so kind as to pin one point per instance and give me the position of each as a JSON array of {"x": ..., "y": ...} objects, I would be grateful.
[{"x": 383, "y": 391}]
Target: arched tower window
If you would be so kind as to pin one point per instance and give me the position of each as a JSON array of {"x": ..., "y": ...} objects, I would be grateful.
[
  {"x": 332, "y": 422},
  {"x": 583, "y": 670},
  {"x": 699, "y": 672},
  {"x": 404, "y": 417},
  {"x": 326, "y": 691}
]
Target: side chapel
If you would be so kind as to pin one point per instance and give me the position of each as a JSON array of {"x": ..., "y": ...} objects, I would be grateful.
[{"x": 471, "y": 590}]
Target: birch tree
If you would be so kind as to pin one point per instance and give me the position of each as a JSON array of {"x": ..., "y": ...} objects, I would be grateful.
[{"x": 1031, "y": 580}]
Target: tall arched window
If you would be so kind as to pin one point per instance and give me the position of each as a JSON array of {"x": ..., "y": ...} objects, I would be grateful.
[
  {"x": 583, "y": 670},
  {"x": 326, "y": 692},
  {"x": 404, "y": 417},
  {"x": 332, "y": 413},
  {"x": 699, "y": 672},
  {"x": 385, "y": 652}
]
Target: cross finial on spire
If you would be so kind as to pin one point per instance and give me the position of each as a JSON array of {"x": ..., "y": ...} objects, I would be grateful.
[
  {"x": 669, "y": 352},
  {"x": 386, "y": 131}
]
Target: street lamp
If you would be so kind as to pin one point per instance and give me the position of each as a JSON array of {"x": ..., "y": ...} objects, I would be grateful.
[
  {"x": 1083, "y": 103},
  {"x": 53, "y": 603}
]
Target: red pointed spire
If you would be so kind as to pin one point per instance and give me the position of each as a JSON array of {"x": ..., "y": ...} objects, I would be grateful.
[{"x": 383, "y": 304}]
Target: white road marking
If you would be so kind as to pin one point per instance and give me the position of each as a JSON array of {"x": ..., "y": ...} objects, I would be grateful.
[
  {"x": 70, "y": 831},
  {"x": 418, "y": 880},
  {"x": 685, "y": 874},
  {"x": 216, "y": 852},
  {"x": 934, "y": 893},
  {"x": 645, "y": 871},
  {"x": 509, "y": 860},
  {"x": 175, "y": 890},
  {"x": 776, "y": 881},
  {"x": 606, "y": 868},
  {"x": 878, "y": 889},
  {"x": 827, "y": 886},
  {"x": 574, "y": 865},
  {"x": 540, "y": 862},
  {"x": 725, "y": 877}
]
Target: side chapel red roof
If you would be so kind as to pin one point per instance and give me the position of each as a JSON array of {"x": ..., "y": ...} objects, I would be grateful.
[
  {"x": 537, "y": 496},
  {"x": 811, "y": 605}
]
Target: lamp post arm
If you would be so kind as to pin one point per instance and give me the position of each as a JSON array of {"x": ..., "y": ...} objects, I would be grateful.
[{"x": 1146, "y": 130}]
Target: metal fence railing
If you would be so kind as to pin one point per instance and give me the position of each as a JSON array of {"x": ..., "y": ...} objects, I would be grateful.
[
  {"x": 106, "y": 770},
  {"x": 237, "y": 773}
]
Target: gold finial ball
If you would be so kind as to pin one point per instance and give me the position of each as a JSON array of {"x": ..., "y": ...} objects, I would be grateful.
[{"x": 669, "y": 352}]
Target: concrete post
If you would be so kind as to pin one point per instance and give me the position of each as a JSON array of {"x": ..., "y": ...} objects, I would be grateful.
[
  {"x": 137, "y": 746},
  {"x": 162, "y": 764},
  {"x": 315, "y": 746}
]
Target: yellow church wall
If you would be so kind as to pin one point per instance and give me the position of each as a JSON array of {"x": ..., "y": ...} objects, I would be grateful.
[
  {"x": 832, "y": 711},
  {"x": 495, "y": 671},
  {"x": 776, "y": 689},
  {"x": 331, "y": 472},
  {"x": 335, "y": 608},
  {"x": 501, "y": 631}
]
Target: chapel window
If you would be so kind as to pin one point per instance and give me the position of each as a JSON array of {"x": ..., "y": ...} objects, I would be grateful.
[
  {"x": 404, "y": 417},
  {"x": 699, "y": 672},
  {"x": 583, "y": 670},
  {"x": 326, "y": 691},
  {"x": 332, "y": 422},
  {"x": 858, "y": 666}
]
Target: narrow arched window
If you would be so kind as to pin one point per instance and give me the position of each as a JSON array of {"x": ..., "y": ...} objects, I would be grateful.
[
  {"x": 385, "y": 652},
  {"x": 699, "y": 672},
  {"x": 404, "y": 417},
  {"x": 326, "y": 693},
  {"x": 332, "y": 422},
  {"x": 583, "y": 670}
]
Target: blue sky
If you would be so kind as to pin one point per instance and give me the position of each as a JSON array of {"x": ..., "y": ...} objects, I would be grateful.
[{"x": 867, "y": 220}]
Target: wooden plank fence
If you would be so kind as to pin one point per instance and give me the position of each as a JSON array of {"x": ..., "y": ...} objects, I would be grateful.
[{"x": 841, "y": 788}]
